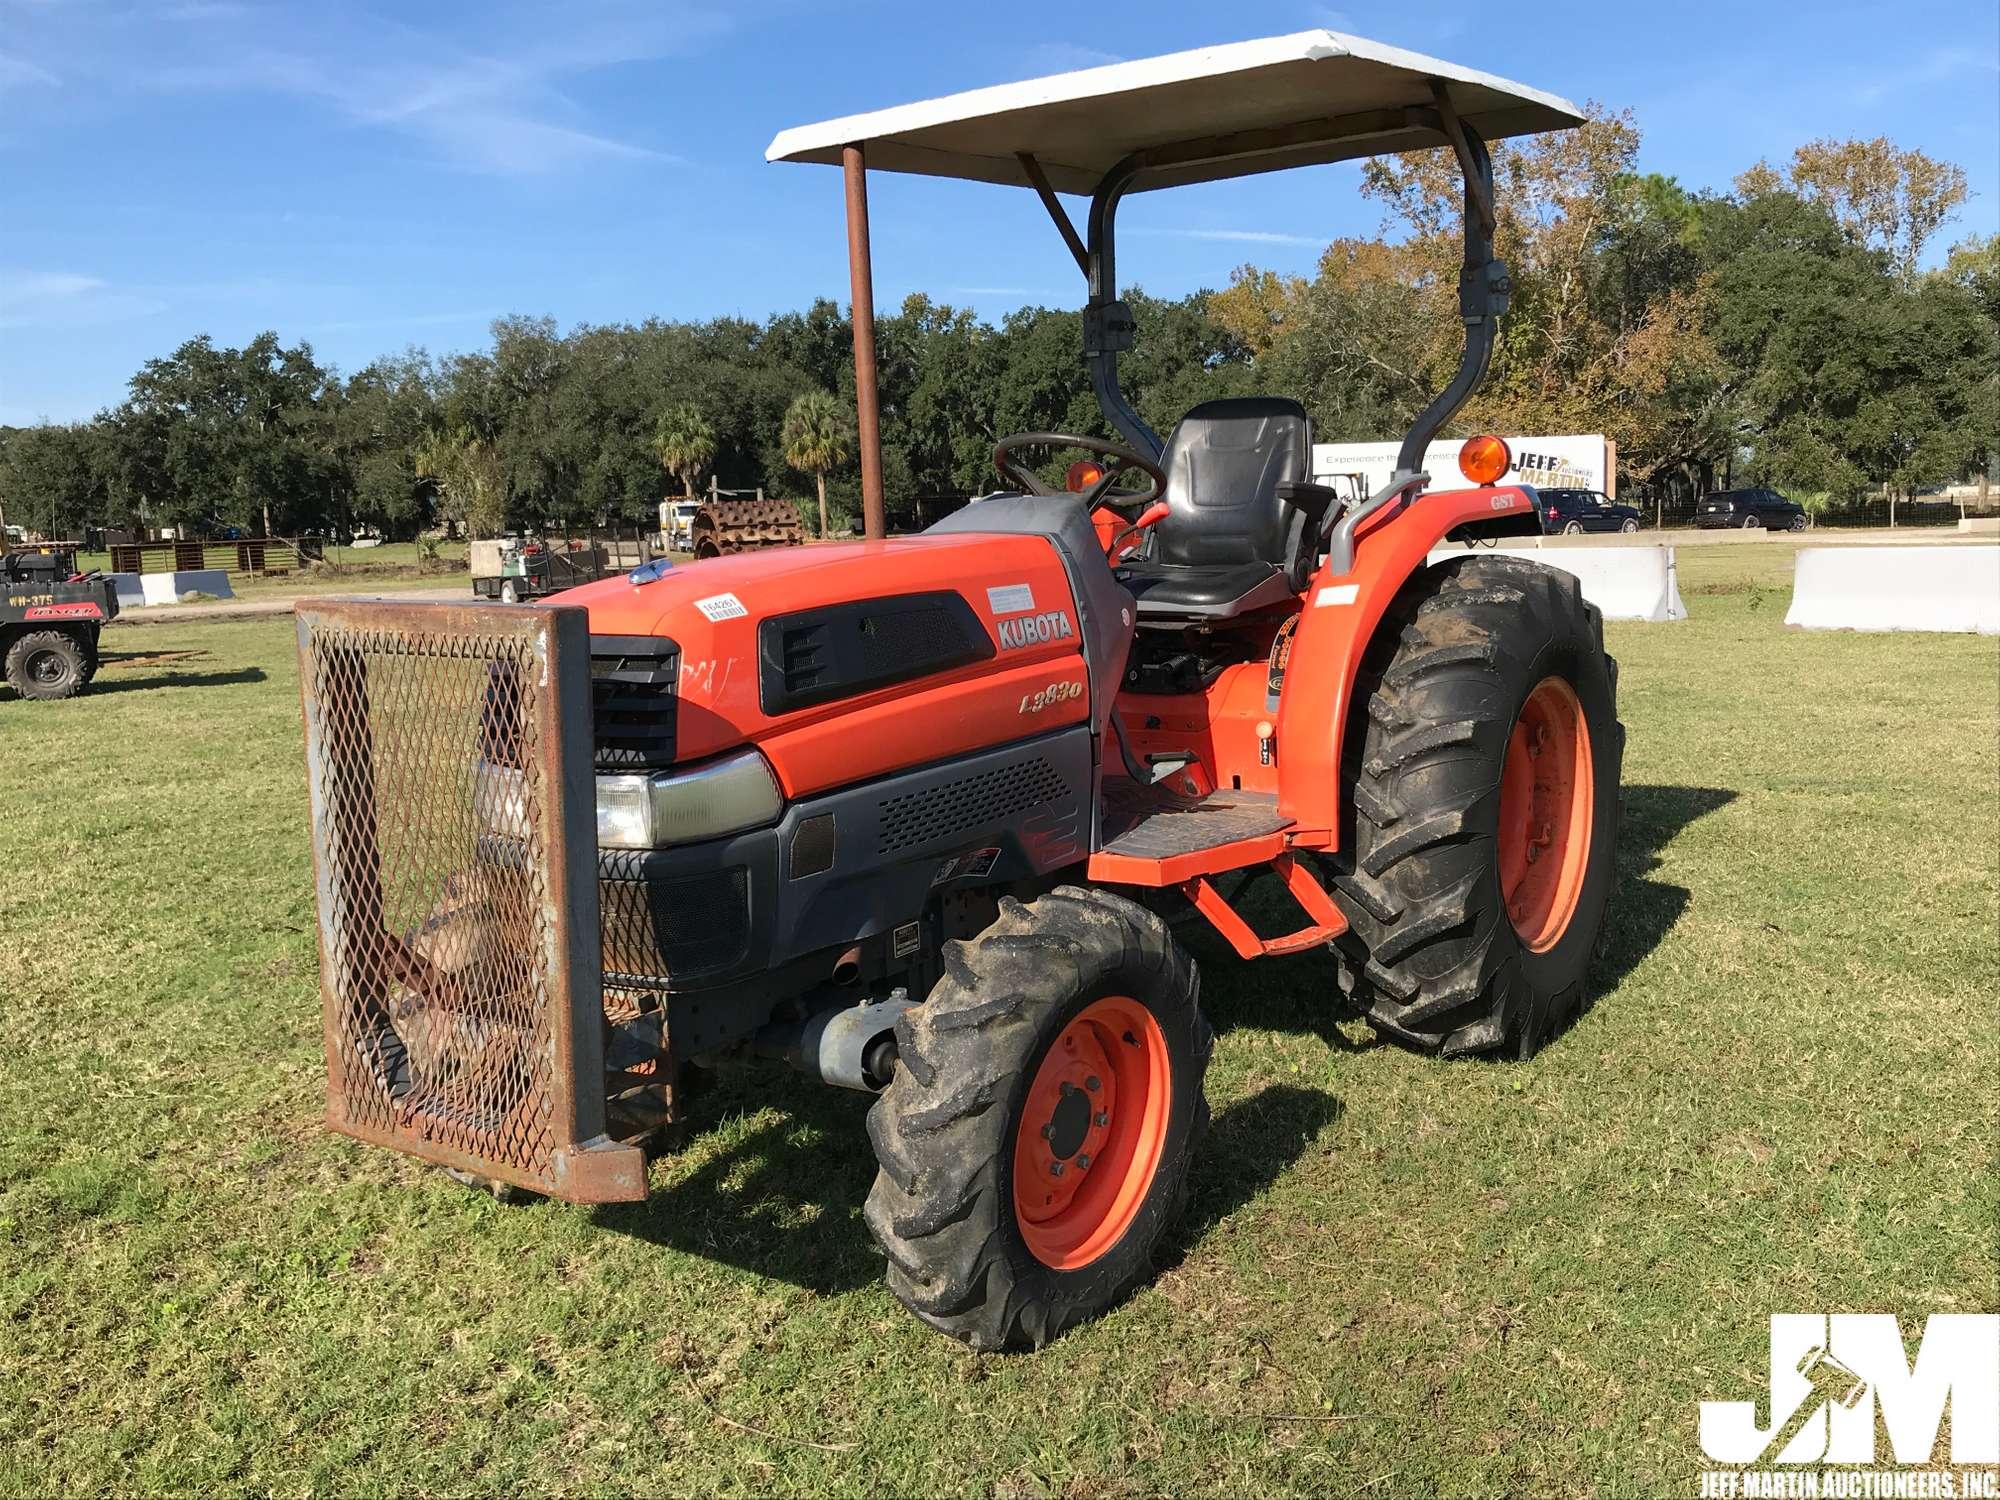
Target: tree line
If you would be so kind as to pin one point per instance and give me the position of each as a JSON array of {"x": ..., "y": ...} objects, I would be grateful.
[{"x": 1783, "y": 332}]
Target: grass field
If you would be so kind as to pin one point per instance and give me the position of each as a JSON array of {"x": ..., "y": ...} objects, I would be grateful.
[{"x": 1396, "y": 1277}]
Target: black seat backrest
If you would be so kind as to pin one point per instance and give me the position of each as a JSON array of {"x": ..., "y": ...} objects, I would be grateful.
[{"x": 1224, "y": 462}]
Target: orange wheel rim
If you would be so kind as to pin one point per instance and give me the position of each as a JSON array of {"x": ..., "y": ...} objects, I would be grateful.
[
  {"x": 1546, "y": 805},
  {"x": 1091, "y": 1133}
]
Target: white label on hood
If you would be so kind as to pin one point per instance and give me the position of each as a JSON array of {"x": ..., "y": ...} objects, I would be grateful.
[
  {"x": 1011, "y": 599},
  {"x": 720, "y": 607}
]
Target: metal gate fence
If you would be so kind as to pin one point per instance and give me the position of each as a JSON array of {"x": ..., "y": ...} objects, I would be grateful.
[{"x": 448, "y": 752}]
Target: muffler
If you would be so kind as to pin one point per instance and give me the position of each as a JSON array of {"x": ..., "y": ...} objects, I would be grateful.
[{"x": 850, "y": 1047}]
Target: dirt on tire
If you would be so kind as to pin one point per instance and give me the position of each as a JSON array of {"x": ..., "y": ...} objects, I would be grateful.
[
  {"x": 944, "y": 1131},
  {"x": 1432, "y": 956},
  {"x": 49, "y": 664}
]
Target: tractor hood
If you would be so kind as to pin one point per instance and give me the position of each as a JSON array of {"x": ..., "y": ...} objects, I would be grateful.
[{"x": 851, "y": 659}]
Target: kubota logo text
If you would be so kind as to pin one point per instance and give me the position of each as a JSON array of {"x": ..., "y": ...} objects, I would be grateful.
[
  {"x": 1035, "y": 630},
  {"x": 1838, "y": 1380}
]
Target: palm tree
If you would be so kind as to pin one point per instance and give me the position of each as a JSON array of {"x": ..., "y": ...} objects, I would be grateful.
[
  {"x": 817, "y": 437},
  {"x": 685, "y": 443}
]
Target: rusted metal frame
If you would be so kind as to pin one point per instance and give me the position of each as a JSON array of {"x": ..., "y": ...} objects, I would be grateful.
[
  {"x": 589, "y": 1167},
  {"x": 1039, "y": 181},
  {"x": 861, "y": 286},
  {"x": 1327, "y": 921},
  {"x": 349, "y": 873},
  {"x": 586, "y": 1165}
]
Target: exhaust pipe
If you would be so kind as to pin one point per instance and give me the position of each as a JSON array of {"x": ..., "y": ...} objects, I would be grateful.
[
  {"x": 850, "y": 1047},
  {"x": 847, "y": 967}
]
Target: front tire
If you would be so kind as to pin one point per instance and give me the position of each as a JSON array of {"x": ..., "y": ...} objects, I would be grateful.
[
  {"x": 1034, "y": 1143},
  {"x": 510, "y": 592},
  {"x": 1798, "y": 523},
  {"x": 47, "y": 665},
  {"x": 1630, "y": 528},
  {"x": 1485, "y": 798}
]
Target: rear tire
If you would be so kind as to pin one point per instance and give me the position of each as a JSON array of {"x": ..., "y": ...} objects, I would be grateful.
[
  {"x": 1798, "y": 523},
  {"x": 47, "y": 665},
  {"x": 1573, "y": 528},
  {"x": 1079, "y": 982},
  {"x": 1492, "y": 746},
  {"x": 510, "y": 592},
  {"x": 1753, "y": 522}
]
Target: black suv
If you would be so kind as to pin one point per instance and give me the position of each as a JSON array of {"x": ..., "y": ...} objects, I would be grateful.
[
  {"x": 1575, "y": 511},
  {"x": 1749, "y": 509}
]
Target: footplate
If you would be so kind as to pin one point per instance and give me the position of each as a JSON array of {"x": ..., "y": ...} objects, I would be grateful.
[{"x": 448, "y": 756}]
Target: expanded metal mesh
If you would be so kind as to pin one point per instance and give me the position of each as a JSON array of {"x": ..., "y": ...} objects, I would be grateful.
[{"x": 452, "y": 986}]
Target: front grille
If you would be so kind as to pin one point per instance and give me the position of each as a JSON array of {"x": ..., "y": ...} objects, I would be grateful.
[
  {"x": 971, "y": 802},
  {"x": 632, "y": 697},
  {"x": 661, "y": 931}
]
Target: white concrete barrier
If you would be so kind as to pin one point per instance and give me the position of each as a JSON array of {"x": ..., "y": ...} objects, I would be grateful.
[
  {"x": 1897, "y": 588},
  {"x": 167, "y": 588},
  {"x": 1625, "y": 582}
]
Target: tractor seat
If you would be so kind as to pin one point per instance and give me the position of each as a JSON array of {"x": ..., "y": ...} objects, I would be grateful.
[
  {"x": 1242, "y": 524},
  {"x": 1214, "y": 590}
]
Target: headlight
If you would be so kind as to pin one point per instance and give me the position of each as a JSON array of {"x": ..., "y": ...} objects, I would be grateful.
[
  {"x": 500, "y": 800},
  {"x": 684, "y": 807}
]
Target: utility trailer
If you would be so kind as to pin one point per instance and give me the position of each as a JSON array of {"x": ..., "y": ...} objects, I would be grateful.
[{"x": 912, "y": 814}]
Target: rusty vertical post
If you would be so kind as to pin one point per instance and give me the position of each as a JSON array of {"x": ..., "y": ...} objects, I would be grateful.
[{"x": 861, "y": 278}]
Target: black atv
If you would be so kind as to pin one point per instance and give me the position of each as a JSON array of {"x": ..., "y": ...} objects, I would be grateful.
[{"x": 49, "y": 619}]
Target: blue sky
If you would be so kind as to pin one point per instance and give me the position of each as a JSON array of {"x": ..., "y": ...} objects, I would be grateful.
[{"x": 371, "y": 177}]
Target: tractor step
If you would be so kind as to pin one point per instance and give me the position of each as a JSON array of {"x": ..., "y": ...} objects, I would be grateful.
[
  {"x": 1154, "y": 836},
  {"x": 1158, "y": 837}
]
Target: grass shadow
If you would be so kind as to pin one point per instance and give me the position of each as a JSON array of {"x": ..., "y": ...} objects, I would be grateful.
[
  {"x": 1298, "y": 992},
  {"x": 783, "y": 1199},
  {"x": 1642, "y": 911},
  {"x": 103, "y": 685},
  {"x": 1249, "y": 1146}
]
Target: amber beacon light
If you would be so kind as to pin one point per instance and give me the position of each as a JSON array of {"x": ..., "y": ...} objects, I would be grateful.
[{"x": 1484, "y": 459}]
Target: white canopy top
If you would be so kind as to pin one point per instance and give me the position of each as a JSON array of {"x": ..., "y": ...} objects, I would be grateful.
[{"x": 1285, "y": 101}]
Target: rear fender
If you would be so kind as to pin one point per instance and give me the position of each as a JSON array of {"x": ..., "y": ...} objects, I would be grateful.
[{"x": 1341, "y": 617}]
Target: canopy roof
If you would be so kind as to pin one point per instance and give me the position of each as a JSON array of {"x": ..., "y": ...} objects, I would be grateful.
[{"x": 1286, "y": 101}]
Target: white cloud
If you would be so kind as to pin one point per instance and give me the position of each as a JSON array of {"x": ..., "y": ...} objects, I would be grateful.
[
  {"x": 23, "y": 288},
  {"x": 499, "y": 106},
  {"x": 1239, "y": 236},
  {"x": 1066, "y": 57},
  {"x": 66, "y": 299},
  {"x": 1935, "y": 67},
  {"x": 16, "y": 72}
]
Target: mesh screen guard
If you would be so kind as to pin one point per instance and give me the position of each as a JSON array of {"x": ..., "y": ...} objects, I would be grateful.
[{"x": 448, "y": 754}]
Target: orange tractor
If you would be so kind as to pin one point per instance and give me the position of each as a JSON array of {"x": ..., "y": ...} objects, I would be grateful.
[{"x": 914, "y": 815}]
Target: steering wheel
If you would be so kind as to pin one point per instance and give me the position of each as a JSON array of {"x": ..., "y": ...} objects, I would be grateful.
[{"x": 1122, "y": 461}]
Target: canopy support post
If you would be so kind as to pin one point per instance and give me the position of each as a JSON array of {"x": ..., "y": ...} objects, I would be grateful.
[
  {"x": 1039, "y": 181},
  {"x": 1483, "y": 292},
  {"x": 861, "y": 284},
  {"x": 1108, "y": 328}
]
